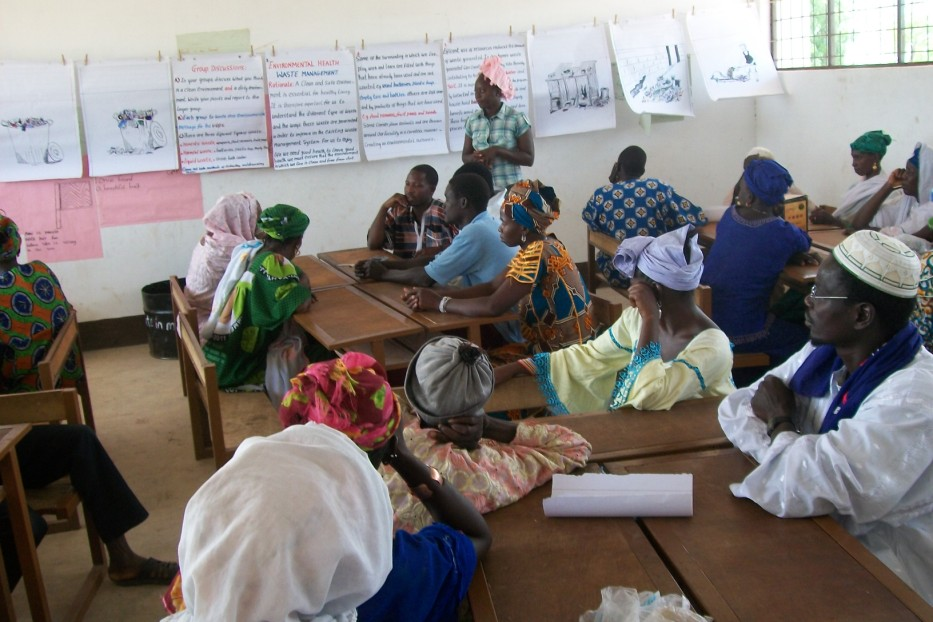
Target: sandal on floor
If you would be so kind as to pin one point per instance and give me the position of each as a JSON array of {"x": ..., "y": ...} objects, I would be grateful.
[{"x": 151, "y": 572}]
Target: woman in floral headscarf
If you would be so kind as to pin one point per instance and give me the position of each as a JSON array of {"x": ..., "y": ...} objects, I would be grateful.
[
  {"x": 497, "y": 135},
  {"x": 33, "y": 308},
  {"x": 231, "y": 222},
  {"x": 553, "y": 302}
]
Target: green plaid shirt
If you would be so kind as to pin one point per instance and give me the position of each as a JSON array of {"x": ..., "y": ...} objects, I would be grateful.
[{"x": 500, "y": 130}]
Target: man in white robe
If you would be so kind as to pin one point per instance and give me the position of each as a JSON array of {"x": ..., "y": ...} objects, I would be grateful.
[{"x": 845, "y": 426}]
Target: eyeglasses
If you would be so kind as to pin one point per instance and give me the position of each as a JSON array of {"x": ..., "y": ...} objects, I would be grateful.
[{"x": 813, "y": 295}]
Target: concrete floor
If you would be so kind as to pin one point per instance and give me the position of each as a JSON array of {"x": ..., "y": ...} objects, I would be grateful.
[{"x": 142, "y": 420}]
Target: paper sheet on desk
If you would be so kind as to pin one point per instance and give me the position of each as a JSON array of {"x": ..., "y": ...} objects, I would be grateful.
[{"x": 598, "y": 494}]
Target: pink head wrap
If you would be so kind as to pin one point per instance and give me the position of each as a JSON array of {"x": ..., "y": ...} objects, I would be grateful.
[
  {"x": 232, "y": 220},
  {"x": 494, "y": 71},
  {"x": 350, "y": 394}
]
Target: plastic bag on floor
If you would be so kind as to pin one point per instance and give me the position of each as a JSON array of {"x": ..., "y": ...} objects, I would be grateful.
[
  {"x": 284, "y": 360},
  {"x": 623, "y": 604}
]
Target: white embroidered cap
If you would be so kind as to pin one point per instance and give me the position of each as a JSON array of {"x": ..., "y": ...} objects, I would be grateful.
[{"x": 881, "y": 262}]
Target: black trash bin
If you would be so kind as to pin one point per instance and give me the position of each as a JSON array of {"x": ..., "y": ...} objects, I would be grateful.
[{"x": 160, "y": 321}]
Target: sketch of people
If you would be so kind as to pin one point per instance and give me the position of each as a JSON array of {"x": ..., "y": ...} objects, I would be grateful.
[
  {"x": 750, "y": 63},
  {"x": 739, "y": 73}
]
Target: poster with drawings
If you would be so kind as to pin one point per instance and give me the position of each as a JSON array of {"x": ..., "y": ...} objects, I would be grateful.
[
  {"x": 401, "y": 100},
  {"x": 129, "y": 119},
  {"x": 462, "y": 58},
  {"x": 38, "y": 122},
  {"x": 571, "y": 81},
  {"x": 654, "y": 69},
  {"x": 733, "y": 53}
]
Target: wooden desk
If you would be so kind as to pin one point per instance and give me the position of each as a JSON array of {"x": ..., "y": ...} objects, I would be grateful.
[
  {"x": 553, "y": 569},
  {"x": 321, "y": 275},
  {"x": 691, "y": 425},
  {"x": 22, "y": 529},
  {"x": 827, "y": 239},
  {"x": 344, "y": 316},
  {"x": 345, "y": 260},
  {"x": 390, "y": 294},
  {"x": 736, "y": 561}
]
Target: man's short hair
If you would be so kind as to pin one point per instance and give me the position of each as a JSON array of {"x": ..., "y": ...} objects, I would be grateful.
[
  {"x": 632, "y": 161},
  {"x": 430, "y": 175},
  {"x": 477, "y": 169},
  {"x": 473, "y": 188}
]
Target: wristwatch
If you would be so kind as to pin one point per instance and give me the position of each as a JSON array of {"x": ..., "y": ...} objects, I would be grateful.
[{"x": 425, "y": 491}]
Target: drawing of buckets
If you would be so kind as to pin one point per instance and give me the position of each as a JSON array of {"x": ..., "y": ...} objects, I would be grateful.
[
  {"x": 139, "y": 132},
  {"x": 30, "y": 138}
]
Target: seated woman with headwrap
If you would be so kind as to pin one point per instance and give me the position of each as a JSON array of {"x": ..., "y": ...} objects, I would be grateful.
[
  {"x": 752, "y": 248},
  {"x": 231, "y": 222},
  {"x": 660, "y": 351},
  {"x": 489, "y": 461},
  {"x": 867, "y": 151},
  {"x": 258, "y": 294},
  {"x": 554, "y": 304},
  {"x": 33, "y": 308},
  {"x": 911, "y": 214}
]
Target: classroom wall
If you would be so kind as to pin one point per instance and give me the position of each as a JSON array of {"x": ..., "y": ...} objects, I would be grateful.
[
  {"x": 810, "y": 127},
  {"x": 700, "y": 156}
]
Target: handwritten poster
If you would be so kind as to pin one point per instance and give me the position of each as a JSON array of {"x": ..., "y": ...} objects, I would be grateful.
[
  {"x": 38, "y": 122},
  {"x": 733, "y": 53},
  {"x": 147, "y": 197},
  {"x": 571, "y": 81},
  {"x": 651, "y": 56},
  {"x": 462, "y": 59},
  {"x": 57, "y": 219},
  {"x": 401, "y": 100},
  {"x": 314, "y": 109},
  {"x": 221, "y": 111},
  {"x": 129, "y": 121}
]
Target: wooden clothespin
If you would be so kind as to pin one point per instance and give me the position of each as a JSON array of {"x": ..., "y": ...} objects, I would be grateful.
[
  {"x": 362, "y": 44},
  {"x": 533, "y": 30},
  {"x": 510, "y": 30},
  {"x": 251, "y": 51},
  {"x": 159, "y": 57},
  {"x": 85, "y": 59},
  {"x": 673, "y": 15},
  {"x": 450, "y": 38},
  {"x": 336, "y": 44},
  {"x": 63, "y": 60},
  {"x": 694, "y": 9},
  {"x": 615, "y": 18},
  {"x": 273, "y": 51},
  {"x": 180, "y": 56},
  {"x": 594, "y": 21},
  {"x": 425, "y": 38}
]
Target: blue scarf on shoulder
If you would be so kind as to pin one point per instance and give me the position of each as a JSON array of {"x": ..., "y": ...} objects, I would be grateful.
[{"x": 813, "y": 376}]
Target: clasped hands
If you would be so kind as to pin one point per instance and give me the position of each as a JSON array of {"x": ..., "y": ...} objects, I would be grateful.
[{"x": 423, "y": 298}]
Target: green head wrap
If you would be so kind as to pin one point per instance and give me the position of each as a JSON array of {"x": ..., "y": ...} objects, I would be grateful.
[
  {"x": 282, "y": 222},
  {"x": 9, "y": 239},
  {"x": 874, "y": 141}
]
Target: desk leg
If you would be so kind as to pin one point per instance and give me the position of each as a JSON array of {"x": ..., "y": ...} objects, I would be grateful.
[
  {"x": 475, "y": 334},
  {"x": 379, "y": 352},
  {"x": 7, "y": 613},
  {"x": 22, "y": 531}
]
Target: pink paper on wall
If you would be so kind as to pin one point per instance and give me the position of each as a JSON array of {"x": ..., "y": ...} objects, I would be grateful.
[
  {"x": 57, "y": 219},
  {"x": 142, "y": 198}
]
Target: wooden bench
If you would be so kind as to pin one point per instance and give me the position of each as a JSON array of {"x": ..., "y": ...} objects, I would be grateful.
[
  {"x": 59, "y": 499},
  {"x": 51, "y": 366},
  {"x": 181, "y": 307},
  {"x": 220, "y": 421}
]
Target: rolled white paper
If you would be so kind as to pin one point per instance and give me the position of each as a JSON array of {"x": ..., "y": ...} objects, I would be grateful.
[{"x": 598, "y": 494}]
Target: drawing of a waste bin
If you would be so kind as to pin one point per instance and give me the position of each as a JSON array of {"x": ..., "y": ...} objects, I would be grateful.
[
  {"x": 139, "y": 132},
  {"x": 30, "y": 138}
]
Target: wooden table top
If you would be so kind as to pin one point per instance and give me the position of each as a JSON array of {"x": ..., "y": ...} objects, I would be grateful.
[
  {"x": 736, "y": 561},
  {"x": 343, "y": 316},
  {"x": 390, "y": 294},
  {"x": 827, "y": 239},
  {"x": 553, "y": 568},
  {"x": 321, "y": 275},
  {"x": 344, "y": 260},
  {"x": 691, "y": 425}
]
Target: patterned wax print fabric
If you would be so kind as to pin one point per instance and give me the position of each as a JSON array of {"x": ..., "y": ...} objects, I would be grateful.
[
  {"x": 401, "y": 230},
  {"x": 557, "y": 312},
  {"x": 636, "y": 207},
  {"x": 500, "y": 130},
  {"x": 614, "y": 371},
  {"x": 431, "y": 572},
  {"x": 491, "y": 476},
  {"x": 33, "y": 309},
  {"x": 265, "y": 297},
  {"x": 922, "y": 315}
]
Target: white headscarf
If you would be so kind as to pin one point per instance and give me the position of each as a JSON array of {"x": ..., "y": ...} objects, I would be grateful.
[
  {"x": 297, "y": 526},
  {"x": 662, "y": 259}
]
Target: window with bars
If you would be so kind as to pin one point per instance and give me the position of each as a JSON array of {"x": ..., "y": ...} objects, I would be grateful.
[{"x": 833, "y": 33}]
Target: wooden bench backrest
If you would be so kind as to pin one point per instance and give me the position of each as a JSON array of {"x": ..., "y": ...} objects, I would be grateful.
[
  {"x": 51, "y": 366},
  {"x": 200, "y": 377},
  {"x": 56, "y": 406}
]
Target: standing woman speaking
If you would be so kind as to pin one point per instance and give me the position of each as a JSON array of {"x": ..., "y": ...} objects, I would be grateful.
[{"x": 497, "y": 135}]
